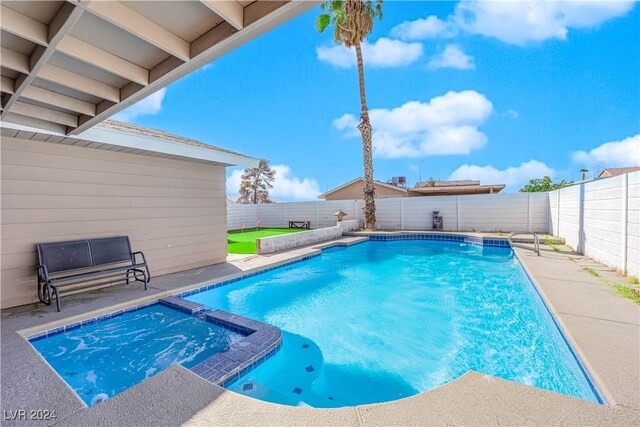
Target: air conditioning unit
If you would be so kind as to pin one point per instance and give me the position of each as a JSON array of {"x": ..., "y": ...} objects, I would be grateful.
[{"x": 399, "y": 181}]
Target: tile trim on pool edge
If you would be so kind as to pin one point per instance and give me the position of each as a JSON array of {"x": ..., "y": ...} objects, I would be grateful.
[
  {"x": 29, "y": 335},
  {"x": 458, "y": 238},
  {"x": 270, "y": 352},
  {"x": 479, "y": 241},
  {"x": 262, "y": 342},
  {"x": 246, "y": 275},
  {"x": 75, "y": 325},
  {"x": 595, "y": 384}
]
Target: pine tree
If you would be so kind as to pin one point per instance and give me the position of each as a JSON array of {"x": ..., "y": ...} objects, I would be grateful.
[{"x": 255, "y": 184}]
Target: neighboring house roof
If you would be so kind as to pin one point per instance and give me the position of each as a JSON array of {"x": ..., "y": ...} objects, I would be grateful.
[
  {"x": 618, "y": 171},
  {"x": 457, "y": 189},
  {"x": 463, "y": 182},
  {"x": 353, "y": 181},
  {"x": 118, "y": 136}
]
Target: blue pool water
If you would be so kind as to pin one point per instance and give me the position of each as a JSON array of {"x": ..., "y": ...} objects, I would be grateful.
[
  {"x": 381, "y": 321},
  {"x": 107, "y": 357}
]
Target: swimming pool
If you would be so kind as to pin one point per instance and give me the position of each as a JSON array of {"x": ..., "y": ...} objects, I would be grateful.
[
  {"x": 103, "y": 358},
  {"x": 384, "y": 320}
]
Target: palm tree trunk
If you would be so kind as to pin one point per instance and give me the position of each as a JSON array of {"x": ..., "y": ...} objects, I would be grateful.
[{"x": 368, "y": 191}]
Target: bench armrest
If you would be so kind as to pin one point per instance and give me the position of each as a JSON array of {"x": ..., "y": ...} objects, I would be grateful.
[
  {"x": 144, "y": 261},
  {"x": 43, "y": 273},
  {"x": 133, "y": 255}
]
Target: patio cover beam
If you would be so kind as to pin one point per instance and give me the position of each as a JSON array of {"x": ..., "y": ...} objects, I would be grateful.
[
  {"x": 7, "y": 85},
  {"x": 230, "y": 11},
  {"x": 63, "y": 75},
  {"x": 55, "y": 99},
  {"x": 133, "y": 22},
  {"x": 264, "y": 14},
  {"x": 62, "y": 23}
]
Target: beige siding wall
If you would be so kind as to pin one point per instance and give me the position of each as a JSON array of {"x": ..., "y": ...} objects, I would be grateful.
[
  {"x": 354, "y": 191},
  {"x": 172, "y": 210}
]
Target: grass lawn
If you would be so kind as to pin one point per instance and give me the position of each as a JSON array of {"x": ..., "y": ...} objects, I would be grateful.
[{"x": 245, "y": 242}]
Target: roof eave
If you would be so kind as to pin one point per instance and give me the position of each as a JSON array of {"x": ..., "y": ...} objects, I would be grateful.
[
  {"x": 151, "y": 143},
  {"x": 353, "y": 181}
]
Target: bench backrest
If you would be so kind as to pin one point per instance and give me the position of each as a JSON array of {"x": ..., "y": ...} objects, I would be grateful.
[
  {"x": 76, "y": 254},
  {"x": 110, "y": 250}
]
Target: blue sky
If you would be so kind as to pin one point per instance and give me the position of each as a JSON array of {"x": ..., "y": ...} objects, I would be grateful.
[{"x": 496, "y": 91}]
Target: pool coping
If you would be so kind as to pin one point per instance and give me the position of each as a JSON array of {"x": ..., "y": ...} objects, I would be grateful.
[
  {"x": 443, "y": 237},
  {"x": 224, "y": 370},
  {"x": 595, "y": 381},
  {"x": 261, "y": 341},
  {"x": 313, "y": 251},
  {"x": 411, "y": 405}
]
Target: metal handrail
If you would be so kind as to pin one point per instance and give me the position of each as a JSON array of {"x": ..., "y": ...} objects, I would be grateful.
[{"x": 536, "y": 241}]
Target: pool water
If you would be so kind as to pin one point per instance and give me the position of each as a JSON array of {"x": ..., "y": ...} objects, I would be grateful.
[
  {"x": 102, "y": 359},
  {"x": 385, "y": 320}
]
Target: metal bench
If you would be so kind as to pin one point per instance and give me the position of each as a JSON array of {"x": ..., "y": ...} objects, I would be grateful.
[
  {"x": 300, "y": 224},
  {"x": 63, "y": 264}
]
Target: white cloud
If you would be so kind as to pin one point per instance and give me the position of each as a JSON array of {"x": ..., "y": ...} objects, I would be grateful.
[
  {"x": 445, "y": 125},
  {"x": 515, "y": 21},
  {"x": 383, "y": 53},
  {"x": 152, "y": 104},
  {"x": 427, "y": 28},
  {"x": 452, "y": 57},
  {"x": 520, "y": 22},
  {"x": 286, "y": 187},
  {"x": 616, "y": 153},
  {"x": 515, "y": 175}
]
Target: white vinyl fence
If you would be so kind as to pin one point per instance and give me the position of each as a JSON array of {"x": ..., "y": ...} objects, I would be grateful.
[
  {"x": 486, "y": 212},
  {"x": 601, "y": 219}
]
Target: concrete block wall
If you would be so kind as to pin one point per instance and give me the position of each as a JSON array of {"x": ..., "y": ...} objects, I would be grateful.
[
  {"x": 504, "y": 212},
  {"x": 601, "y": 219},
  {"x": 487, "y": 212},
  {"x": 319, "y": 214}
]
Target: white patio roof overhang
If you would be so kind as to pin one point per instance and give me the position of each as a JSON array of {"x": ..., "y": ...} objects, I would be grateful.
[
  {"x": 68, "y": 65},
  {"x": 123, "y": 137}
]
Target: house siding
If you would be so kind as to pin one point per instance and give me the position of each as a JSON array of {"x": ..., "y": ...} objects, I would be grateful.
[{"x": 172, "y": 210}]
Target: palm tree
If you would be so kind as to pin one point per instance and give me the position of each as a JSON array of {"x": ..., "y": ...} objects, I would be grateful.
[{"x": 353, "y": 21}]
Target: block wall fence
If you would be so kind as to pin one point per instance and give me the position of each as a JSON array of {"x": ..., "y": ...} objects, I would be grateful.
[
  {"x": 600, "y": 219},
  {"x": 490, "y": 212}
]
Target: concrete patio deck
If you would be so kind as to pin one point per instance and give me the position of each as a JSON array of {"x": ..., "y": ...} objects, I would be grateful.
[{"x": 603, "y": 327}]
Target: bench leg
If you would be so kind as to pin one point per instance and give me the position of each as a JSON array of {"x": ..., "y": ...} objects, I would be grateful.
[
  {"x": 146, "y": 267},
  {"x": 44, "y": 293},
  {"x": 145, "y": 277},
  {"x": 57, "y": 298}
]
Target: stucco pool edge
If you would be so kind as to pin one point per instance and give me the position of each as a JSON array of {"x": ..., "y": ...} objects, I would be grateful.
[
  {"x": 316, "y": 249},
  {"x": 261, "y": 341},
  {"x": 593, "y": 378}
]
